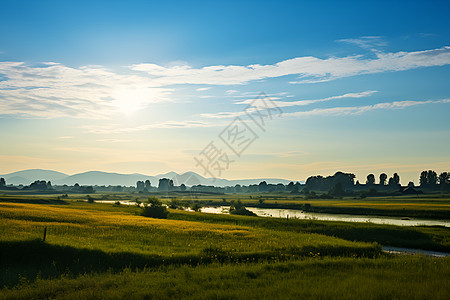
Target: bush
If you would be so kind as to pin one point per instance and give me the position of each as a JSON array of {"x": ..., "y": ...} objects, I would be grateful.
[
  {"x": 174, "y": 204},
  {"x": 196, "y": 206},
  {"x": 242, "y": 211},
  {"x": 154, "y": 211}
]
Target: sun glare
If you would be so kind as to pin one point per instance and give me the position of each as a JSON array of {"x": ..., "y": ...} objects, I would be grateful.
[{"x": 129, "y": 101}]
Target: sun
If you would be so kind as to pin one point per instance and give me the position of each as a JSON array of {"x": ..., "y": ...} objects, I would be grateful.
[{"x": 130, "y": 101}]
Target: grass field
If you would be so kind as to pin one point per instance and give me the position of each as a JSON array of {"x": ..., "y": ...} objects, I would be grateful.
[{"x": 101, "y": 250}]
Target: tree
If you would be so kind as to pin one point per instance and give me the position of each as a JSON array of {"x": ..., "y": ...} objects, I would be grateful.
[
  {"x": 263, "y": 186},
  {"x": 290, "y": 186},
  {"x": 88, "y": 190},
  {"x": 39, "y": 185},
  {"x": 396, "y": 178},
  {"x": 423, "y": 179},
  {"x": 165, "y": 184},
  {"x": 337, "y": 190},
  {"x": 326, "y": 183},
  {"x": 432, "y": 177},
  {"x": 428, "y": 178},
  {"x": 444, "y": 178},
  {"x": 182, "y": 187},
  {"x": 370, "y": 179},
  {"x": 140, "y": 186},
  {"x": 2, "y": 181},
  {"x": 148, "y": 184},
  {"x": 154, "y": 209},
  {"x": 391, "y": 181},
  {"x": 294, "y": 190},
  {"x": 383, "y": 178}
]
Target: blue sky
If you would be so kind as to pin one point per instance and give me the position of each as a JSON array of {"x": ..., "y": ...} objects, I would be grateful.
[{"x": 145, "y": 86}]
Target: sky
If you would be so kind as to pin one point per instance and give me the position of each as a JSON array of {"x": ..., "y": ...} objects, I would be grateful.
[{"x": 229, "y": 89}]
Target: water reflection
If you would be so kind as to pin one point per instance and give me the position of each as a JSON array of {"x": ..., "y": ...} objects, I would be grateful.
[{"x": 297, "y": 214}]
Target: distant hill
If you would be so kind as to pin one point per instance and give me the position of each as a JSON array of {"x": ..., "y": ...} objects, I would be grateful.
[
  {"x": 26, "y": 177},
  {"x": 105, "y": 178}
]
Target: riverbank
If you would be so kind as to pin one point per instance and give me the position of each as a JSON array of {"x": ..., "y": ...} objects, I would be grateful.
[{"x": 402, "y": 207}]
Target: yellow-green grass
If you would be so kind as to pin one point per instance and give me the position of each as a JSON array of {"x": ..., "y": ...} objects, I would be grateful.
[
  {"x": 123, "y": 232},
  {"x": 85, "y": 237},
  {"x": 103, "y": 251},
  {"x": 313, "y": 278}
]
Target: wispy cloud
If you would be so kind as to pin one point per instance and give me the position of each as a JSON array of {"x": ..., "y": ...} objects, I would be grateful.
[
  {"x": 309, "y": 68},
  {"x": 203, "y": 89},
  {"x": 367, "y": 42},
  {"x": 230, "y": 92},
  {"x": 52, "y": 90},
  {"x": 334, "y": 111},
  {"x": 307, "y": 102},
  {"x": 116, "y": 128},
  {"x": 222, "y": 115},
  {"x": 356, "y": 110}
]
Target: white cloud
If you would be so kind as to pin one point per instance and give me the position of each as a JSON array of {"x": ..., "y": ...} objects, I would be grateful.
[
  {"x": 230, "y": 92},
  {"x": 52, "y": 90},
  {"x": 202, "y": 89},
  {"x": 356, "y": 110},
  {"x": 222, "y": 115},
  {"x": 307, "y": 102},
  {"x": 309, "y": 69},
  {"x": 334, "y": 111},
  {"x": 116, "y": 128},
  {"x": 366, "y": 41}
]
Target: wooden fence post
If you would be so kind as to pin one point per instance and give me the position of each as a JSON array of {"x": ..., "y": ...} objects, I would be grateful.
[{"x": 45, "y": 234}]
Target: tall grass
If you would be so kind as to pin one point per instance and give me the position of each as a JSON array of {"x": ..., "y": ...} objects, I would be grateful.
[
  {"x": 430, "y": 238},
  {"x": 118, "y": 239},
  {"x": 311, "y": 278}
]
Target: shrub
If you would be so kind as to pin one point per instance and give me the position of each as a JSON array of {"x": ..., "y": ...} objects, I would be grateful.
[
  {"x": 242, "y": 211},
  {"x": 196, "y": 206},
  {"x": 154, "y": 211},
  {"x": 90, "y": 199},
  {"x": 174, "y": 204}
]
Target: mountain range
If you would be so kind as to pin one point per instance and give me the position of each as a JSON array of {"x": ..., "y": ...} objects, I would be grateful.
[{"x": 26, "y": 177}]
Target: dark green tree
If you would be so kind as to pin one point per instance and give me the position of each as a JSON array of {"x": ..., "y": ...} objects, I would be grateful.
[
  {"x": 432, "y": 177},
  {"x": 262, "y": 186},
  {"x": 290, "y": 187},
  {"x": 396, "y": 178},
  {"x": 423, "y": 179},
  {"x": 370, "y": 179},
  {"x": 140, "y": 185},
  {"x": 391, "y": 181},
  {"x": 337, "y": 190},
  {"x": 165, "y": 184},
  {"x": 148, "y": 184},
  {"x": 383, "y": 178},
  {"x": 444, "y": 178}
]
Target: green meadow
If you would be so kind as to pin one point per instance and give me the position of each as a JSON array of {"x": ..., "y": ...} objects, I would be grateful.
[{"x": 94, "y": 250}]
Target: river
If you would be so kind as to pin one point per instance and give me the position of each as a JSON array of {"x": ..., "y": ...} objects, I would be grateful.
[{"x": 298, "y": 214}]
